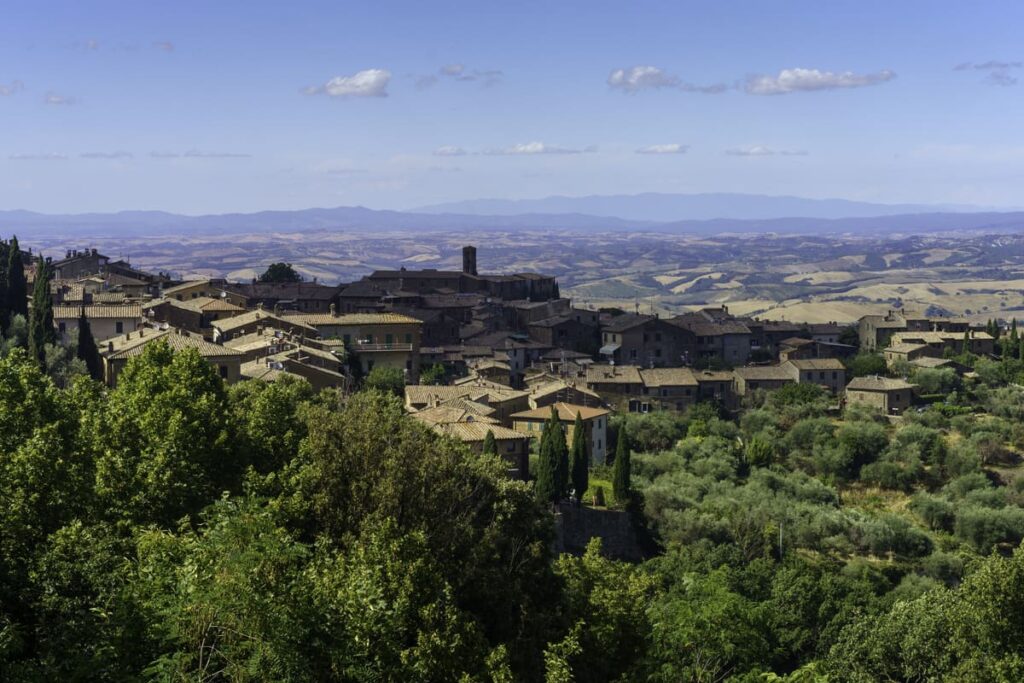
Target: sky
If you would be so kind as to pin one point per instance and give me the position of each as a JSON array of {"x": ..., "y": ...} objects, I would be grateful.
[{"x": 221, "y": 106}]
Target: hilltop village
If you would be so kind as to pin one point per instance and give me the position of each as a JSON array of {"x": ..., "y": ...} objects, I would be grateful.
[{"x": 478, "y": 353}]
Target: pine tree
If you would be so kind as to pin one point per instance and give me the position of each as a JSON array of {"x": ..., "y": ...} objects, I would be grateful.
[
  {"x": 4, "y": 312},
  {"x": 90, "y": 355},
  {"x": 561, "y": 448},
  {"x": 490, "y": 445},
  {"x": 17, "y": 290},
  {"x": 579, "y": 463},
  {"x": 621, "y": 469},
  {"x": 40, "y": 320},
  {"x": 545, "y": 486}
]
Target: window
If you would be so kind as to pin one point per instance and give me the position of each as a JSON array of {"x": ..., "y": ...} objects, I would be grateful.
[
  {"x": 821, "y": 375},
  {"x": 599, "y": 444},
  {"x": 657, "y": 336},
  {"x": 835, "y": 375},
  {"x": 369, "y": 365},
  {"x": 223, "y": 371},
  {"x": 347, "y": 338},
  {"x": 408, "y": 365},
  {"x": 632, "y": 353},
  {"x": 408, "y": 336},
  {"x": 61, "y": 328},
  {"x": 511, "y": 446},
  {"x": 119, "y": 327},
  {"x": 657, "y": 353},
  {"x": 389, "y": 339}
]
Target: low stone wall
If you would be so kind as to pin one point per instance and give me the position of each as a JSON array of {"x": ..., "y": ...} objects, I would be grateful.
[{"x": 575, "y": 526}]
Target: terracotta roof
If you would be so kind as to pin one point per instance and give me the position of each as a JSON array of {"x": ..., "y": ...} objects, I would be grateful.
[
  {"x": 98, "y": 311},
  {"x": 132, "y": 344},
  {"x": 185, "y": 286},
  {"x": 450, "y": 414},
  {"x": 796, "y": 342},
  {"x": 237, "y": 321},
  {"x": 325, "y": 319},
  {"x": 613, "y": 374},
  {"x": 876, "y": 383},
  {"x": 566, "y": 412},
  {"x": 905, "y": 348},
  {"x": 668, "y": 377},
  {"x": 626, "y": 321},
  {"x": 817, "y": 364},
  {"x": 477, "y": 431},
  {"x": 204, "y": 304},
  {"x": 712, "y": 375}
]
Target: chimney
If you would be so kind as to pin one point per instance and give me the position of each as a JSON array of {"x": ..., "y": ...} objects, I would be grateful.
[
  {"x": 469, "y": 260},
  {"x": 110, "y": 347},
  {"x": 334, "y": 311}
]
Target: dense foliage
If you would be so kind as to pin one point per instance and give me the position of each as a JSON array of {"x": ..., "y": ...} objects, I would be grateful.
[{"x": 173, "y": 528}]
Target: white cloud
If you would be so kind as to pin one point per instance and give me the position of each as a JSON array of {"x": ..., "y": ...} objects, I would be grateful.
[
  {"x": 529, "y": 148},
  {"x": 52, "y": 156},
  {"x": 636, "y": 78},
  {"x": 11, "y": 88},
  {"x": 804, "y": 80},
  {"x": 449, "y": 151},
  {"x": 453, "y": 69},
  {"x": 673, "y": 148},
  {"x": 198, "y": 154},
  {"x": 763, "y": 151},
  {"x": 106, "y": 155},
  {"x": 58, "y": 100},
  {"x": 366, "y": 83},
  {"x": 998, "y": 72},
  {"x": 165, "y": 45}
]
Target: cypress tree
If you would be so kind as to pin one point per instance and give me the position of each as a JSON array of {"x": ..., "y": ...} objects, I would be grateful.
[
  {"x": 40, "y": 319},
  {"x": 621, "y": 469},
  {"x": 545, "y": 484},
  {"x": 579, "y": 465},
  {"x": 1021, "y": 351},
  {"x": 17, "y": 290},
  {"x": 4, "y": 312},
  {"x": 90, "y": 355},
  {"x": 561, "y": 454},
  {"x": 490, "y": 445},
  {"x": 1014, "y": 335},
  {"x": 966, "y": 347}
]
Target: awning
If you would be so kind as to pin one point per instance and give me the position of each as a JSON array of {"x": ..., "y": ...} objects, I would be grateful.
[{"x": 610, "y": 349}]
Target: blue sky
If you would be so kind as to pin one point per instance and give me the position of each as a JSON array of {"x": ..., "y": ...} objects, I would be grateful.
[{"x": 200, "y": 106}]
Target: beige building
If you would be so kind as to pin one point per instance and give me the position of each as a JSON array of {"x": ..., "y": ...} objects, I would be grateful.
[
  {"x": 105, "y": 321},
  {"x": 117, "y": 351},
  {"x": 513, "y": 445},
  {"x": 764, "y": 378},
  {"x": 938, "y": 343},
  {"x": 388, "y": 340},
  {"x": 669, "y": 388},
  {"x": 890, "y": 396},
  {"x": 195, "y": 289},
  {"x": 829, "y": 373},
  {"x": 595, "y": 425}
]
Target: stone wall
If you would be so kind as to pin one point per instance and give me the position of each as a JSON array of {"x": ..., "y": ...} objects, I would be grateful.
[{"x": 575, "y": 526}]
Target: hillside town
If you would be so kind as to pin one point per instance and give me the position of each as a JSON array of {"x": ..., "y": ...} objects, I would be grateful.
[{"x": 478, "y": 354}]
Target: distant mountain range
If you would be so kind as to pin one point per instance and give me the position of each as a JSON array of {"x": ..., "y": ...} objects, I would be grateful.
[
  {"x": 665, "y": 208},
  {"x": 748, "y": 214}
]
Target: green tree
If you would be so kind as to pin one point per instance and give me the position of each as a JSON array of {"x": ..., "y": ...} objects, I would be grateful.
[
  {"x": 5, "y": 313},
  {"x": 86, "y": 350},
  {"x": 280, "y": 272},
  {"x": 381, "y": 378},
  {"x": 490, "y": 446},
  {"x": 433, "y": 375},
  {"x": 561, "y": 454},
  {"x": 166, "y": 440},
  {"x": 579, "y": 461},
  {"x": 40, "y": 318},
  {"x": 621, "y": 469},
  {"x": 546, "y": 484},
  {"x": 866, "y": 363},
  {"x": 17, "y": 289}
]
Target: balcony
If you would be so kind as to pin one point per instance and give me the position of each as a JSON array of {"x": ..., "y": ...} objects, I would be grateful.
[{"x": 377, "y": 348}]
